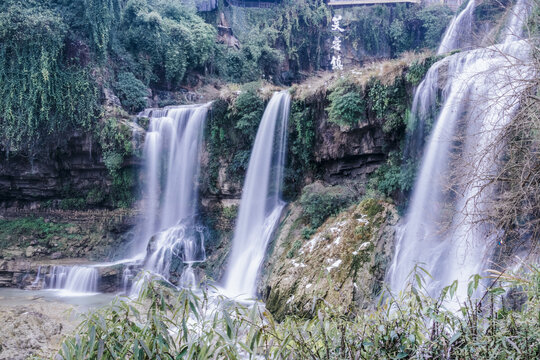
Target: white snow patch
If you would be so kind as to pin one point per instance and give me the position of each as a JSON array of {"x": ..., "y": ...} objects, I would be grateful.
[
  {"x": 334, "y": 265},
  {"x": 364, "y": 246},
  {"x": 308, "y": 286},
  {"x": 355, "y": 253},
  {"x": 313, "y": 242},
  {"x": 291, "y": 299},
  {"x": 363, "y": 220}
]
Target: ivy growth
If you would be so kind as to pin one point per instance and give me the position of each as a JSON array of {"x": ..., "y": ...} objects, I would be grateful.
[{"x": 41, "y": 97}]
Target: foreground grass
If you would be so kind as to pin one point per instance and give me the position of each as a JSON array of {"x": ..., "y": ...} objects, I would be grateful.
[{"x": 166, "y": 324}]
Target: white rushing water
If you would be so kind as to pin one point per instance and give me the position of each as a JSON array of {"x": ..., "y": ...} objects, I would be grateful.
[
  {"x": 171, "y": 151},
  {"x": 459, "y": 32},
  {"x": 38, "y": 277},
  {"x": 261, "y": 203},
  {"x": 513, "y": 30},
  {"x": 74, "y": 280},
  {"x": 443, "y": 229}
]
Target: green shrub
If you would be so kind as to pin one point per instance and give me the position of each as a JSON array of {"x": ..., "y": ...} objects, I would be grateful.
[
  {"x": 347, "y": 104},
  {"x": 294, "y": 249},
  {"x": 319, "y": 202},
  {"x": 393, "y": 30},
  {"x": 418, "y": 69},
  {"x": 115, "y": 139},
  {"x": 95, "y": 196},
  {"x": 307, "y": 232},
  {"x": 167, "y": 39},
  {"x": 394, "y": 175},
  {"x": 434, "y": 19},
  {"x": 72, "y": 204},
  {"x": 131, "y": 92}
]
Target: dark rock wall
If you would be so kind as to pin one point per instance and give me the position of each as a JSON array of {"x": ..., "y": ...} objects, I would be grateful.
[
  {"x": 349, "y": 155},
  {"x": 76, "y": 167}
]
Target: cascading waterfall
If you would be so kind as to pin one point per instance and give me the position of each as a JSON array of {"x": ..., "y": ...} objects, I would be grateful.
[
  {"x": 443, "y": 228},
  {"x": 171, "y": 152},
  {"x": 513, "y": 30},
  {"x": 459, "y": 32},
  {"x": 38, "y": 277},
  {"x": 74, "y": 279},
  {"x": 261, "y": 204},
  {"x": 127, "y": 278}
]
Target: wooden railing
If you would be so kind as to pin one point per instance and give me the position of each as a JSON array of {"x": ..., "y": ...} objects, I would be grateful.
[{"x": 368, "y": 2}]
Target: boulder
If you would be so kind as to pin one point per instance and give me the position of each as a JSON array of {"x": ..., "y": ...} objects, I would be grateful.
[{"x": 30, "y": 251}]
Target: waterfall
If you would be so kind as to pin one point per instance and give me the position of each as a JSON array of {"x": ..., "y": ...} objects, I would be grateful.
[
  {"x": 127, "y": 278},
  {"x": 459, "y": 32},
  {"x": 261, "y": 204},
  {"x": 443, "y": 229},
  {"x": 171, "y": 152},
  {"x": 513, "y": 30},
  {"x": 38, "y": 277},
  {"x": 74, "y": 280}
]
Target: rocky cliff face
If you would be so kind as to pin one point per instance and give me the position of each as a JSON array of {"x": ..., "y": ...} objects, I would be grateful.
[
  {"x": 349, "y": 155},
  {"x": 35, "y": 241},
  {"x": 343, "y": 263},
  {"x": 76, "y": 167},
  {"x": 344, "y": 155}
]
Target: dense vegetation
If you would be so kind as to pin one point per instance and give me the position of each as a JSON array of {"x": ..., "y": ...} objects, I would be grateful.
[
  {"x": 231, "y": 131},
  {"x": 64, "y": 52},
  {"x": 167, "y": 324},
  {"x": 43, "y": 91}
]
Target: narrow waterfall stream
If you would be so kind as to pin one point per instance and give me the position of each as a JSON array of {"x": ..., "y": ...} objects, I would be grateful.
[
  {"x": 459, "y": 32},
  {"x": 443, "y": 229},
  {"x": 170, "y": 235},
  {"x": 261, "y": 203}
]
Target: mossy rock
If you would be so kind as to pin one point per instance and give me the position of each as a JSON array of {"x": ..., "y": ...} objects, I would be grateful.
[{"x": 341, "y": 263}]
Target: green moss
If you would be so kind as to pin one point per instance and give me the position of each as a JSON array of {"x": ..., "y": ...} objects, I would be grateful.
[
  {"x": 230, "y": 133},
  {"x": 371, "y": 207},
  {"x": 319, "y": 202},
  {"x": 294, "y": 249},
  {"x": 20, "y": 232}
]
